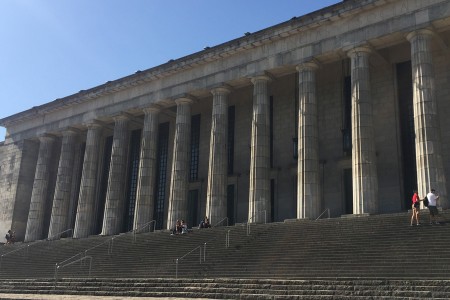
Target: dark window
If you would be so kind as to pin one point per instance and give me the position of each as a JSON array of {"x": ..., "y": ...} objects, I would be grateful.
[
  {"x": 192, "y": 219},
  {"x": 100, "y": 209},
  {"x": 272, "y": 200},
  {"x": 78, "y": 165},
  {"x": 347, "y": 117},
  {"x": 271, "y": 130},
  {"x": 133, "y": 168},
  {"x": 161, "y": 174},
  {"x": 231, "y": 125},
  {"x": 405, "y": 99},
  {"x": 348, "y": 191},
  {"x": 195, "y": 147},
  {"x": 230, "y": 204},
  {"x": 296, "y": 104}
]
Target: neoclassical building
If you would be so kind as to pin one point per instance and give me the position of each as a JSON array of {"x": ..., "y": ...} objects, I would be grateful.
[{"x": 341, "y": 109}]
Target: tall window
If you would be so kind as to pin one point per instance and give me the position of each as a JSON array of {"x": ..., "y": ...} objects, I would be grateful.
[
  {"x": 271, "y": 130},
  {"x": 347, "y": 117},
  {"x": 132, "y": 178},
  {"x": 195, "y": 147},
  {"x": 161, "y": 174},
  {"x": 406, "y": 113},
  {"x": 100, "y": 209},
  {"x": 231, "y": 125}
]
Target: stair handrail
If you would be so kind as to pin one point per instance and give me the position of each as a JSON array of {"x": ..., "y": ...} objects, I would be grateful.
[
  {"x": 179, "y": 259},
  {"x": 135, "y": 231},
  {"x": 57, "y": 267},
  {"x": 27, "y": 246},
  {"x": 254, "y": 216},
  {"x": 221, "y": 221},
  {"x": 110, "y": 241},
  {"x": 326, "y": 210},
  {"x": 51, "y": 238}
]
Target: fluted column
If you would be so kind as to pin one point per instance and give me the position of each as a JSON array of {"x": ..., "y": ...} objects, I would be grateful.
[
  {"x": 308, "y": 199},
  {"x": 84, "y": 222},
  {"x": 35, "y": 223},
  {"x": 145, "y": 193},
  {"x": 115, "y": 195},
  {"x": 364, "y": 169},
  {"x": 180, "y": 163},
  {"x": 430, "y": 172},
  {"x": 61, "y": 199},
  {"x": 216, "y": 197},
  {"x": 259, "y": 192}
]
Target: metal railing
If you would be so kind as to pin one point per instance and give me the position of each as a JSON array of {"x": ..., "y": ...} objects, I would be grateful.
[
  {"x": 81, "y": 260},
  {"x": 220, "y": 222},
  {"x": 31, "y": 244},
  {"x": 109, "y": 241},
  {"x": 326, "y": 210},
  {"x": 59, "y": 234},
  {"x": 137, "y": 230},
  {"x": 177, "y": 260},
  {"x": 256, "y": 214}
]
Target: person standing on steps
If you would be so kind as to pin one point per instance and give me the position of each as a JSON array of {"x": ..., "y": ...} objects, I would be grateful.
[
  {"x": 415, "y": 208},
  {"x": 432, "y": 206}
]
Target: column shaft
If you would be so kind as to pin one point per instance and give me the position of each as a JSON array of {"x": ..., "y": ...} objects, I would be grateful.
[
  {"x": 35, "y": 224},
  {"x": 430, "y": 172},
  {"x": 147, "y": 169},
  {"x": 61, "y": 199},
  {"x": 84, "y": 222},
  {"x": 259, "y": 192},
  {"x": 308, "y": 198},
  {"x": 364, "y": 171},
  {"x": 115, "y": 195},
  {"x": 216, "y": 198},
  {"x": 180, "y": 163}
]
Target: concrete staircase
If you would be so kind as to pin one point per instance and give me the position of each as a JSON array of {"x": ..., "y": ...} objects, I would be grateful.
[{"x": 373, "y": 257}]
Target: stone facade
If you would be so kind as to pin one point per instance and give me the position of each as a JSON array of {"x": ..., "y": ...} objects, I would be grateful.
[{"x": 342, "y": 109}]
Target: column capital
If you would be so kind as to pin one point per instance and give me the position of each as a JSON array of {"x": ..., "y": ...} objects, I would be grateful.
[
  {"x": 122, "y": 117},
  {"x": 70, "y": 131},
  {"x": 184, "y": 100},
  {"x": 358, "y": 49},
  {"x": 93, "y": 124},
  {"x": 264, "y": 77},
  {"x": 151, "y": 109},
  {"x": 424, "y": 32},
  {"x": 309, "y": 65},
  {"x": 221, "y": 90},
  {"x": 46, "y": 137}
]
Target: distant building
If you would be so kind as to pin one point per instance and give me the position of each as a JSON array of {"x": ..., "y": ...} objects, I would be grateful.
[{"x": 346, "y": 108}]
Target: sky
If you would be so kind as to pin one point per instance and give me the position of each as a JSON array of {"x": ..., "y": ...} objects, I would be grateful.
[{"x": 50, "y": 49}]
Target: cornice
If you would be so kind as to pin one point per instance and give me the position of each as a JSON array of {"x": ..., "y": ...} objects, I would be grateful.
[{"x": 248, "y": 41}]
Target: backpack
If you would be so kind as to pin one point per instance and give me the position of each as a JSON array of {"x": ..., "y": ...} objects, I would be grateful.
[{"x": 425, "y": 201}]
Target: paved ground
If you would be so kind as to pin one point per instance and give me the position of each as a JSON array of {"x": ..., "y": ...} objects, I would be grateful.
[{"x": 72, "y": 297}]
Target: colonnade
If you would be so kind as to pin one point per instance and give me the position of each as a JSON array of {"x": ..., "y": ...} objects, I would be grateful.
[{"x": 364, "y": 171}]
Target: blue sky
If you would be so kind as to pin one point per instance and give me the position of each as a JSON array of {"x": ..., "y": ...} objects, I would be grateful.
[{"x": 53, "y": 48}]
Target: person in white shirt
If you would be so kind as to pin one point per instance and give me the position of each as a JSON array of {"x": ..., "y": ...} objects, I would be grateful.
[{"x": 432, "y": 202}]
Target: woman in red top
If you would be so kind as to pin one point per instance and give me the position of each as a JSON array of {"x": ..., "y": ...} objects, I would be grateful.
[{"x": 415, "y": 208}]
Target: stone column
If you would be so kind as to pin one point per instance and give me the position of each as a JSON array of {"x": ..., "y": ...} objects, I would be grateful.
[
  {"x": 308, "y": 198},
  {"x": 145, "y": 194},
  {"x": 430, "y": 172},
  {"x": 84, "y": 222},
  {"x": 364, "y": 168},
  {"x": 216, "y": 197},
  {"x": 35, "y": 223},
  {"x": 115, "y": 195},
  {"x": 61, "y": 199},
  {"x": 259, "y": 193},
  {"x": 180, "y": 163}
]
